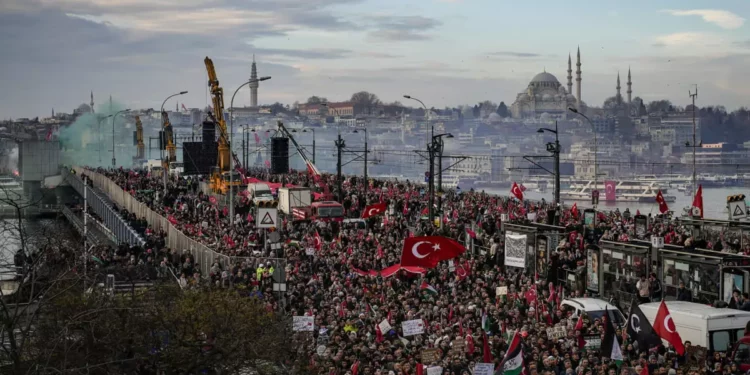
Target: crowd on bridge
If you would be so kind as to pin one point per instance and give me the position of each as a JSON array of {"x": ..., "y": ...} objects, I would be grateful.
[{"x": 465, "y": 319}]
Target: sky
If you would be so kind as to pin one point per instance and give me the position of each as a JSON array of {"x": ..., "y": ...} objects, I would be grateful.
[{"x": 444, "y": 52}]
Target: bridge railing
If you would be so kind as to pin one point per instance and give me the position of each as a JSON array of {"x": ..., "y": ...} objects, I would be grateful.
[
  {"x": 202, "y": 254},
  {"x": 101, "y": 207}
]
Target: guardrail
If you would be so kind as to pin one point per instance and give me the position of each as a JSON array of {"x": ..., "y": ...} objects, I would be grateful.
[
  {"x": 102, "y": 208},
  {"x": 97, "y": 233}
]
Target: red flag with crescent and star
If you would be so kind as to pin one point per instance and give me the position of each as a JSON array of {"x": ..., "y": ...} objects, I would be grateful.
[
  {"x": 428, "y": 251},
  {"x": 665, "y": 328},
  {"x": 516, "y": 191},
  {"x": 697, "y": 208},
  {"x": 317, "y": 241},
  {"x": 374, "y": 210},
  {"x": 662, "y": 203},
  {"x": 610, "y": 190}
]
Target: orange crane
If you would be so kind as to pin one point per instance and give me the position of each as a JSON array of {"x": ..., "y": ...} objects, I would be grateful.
[{"x": 169, "y": 140}]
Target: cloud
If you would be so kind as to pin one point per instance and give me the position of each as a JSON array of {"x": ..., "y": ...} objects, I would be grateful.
[
  {"x": 315, "y": 53},
  {"x": 683, "y": 39},
  {"x": 402, "y": 28},
  {"x": 721, "y": 18},
  {"x": 742, "y": 44},
  {"x": 514, "y": 54}
]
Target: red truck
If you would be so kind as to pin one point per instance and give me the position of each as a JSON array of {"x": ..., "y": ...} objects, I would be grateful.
[
  {"x": 319, "y": 211},
  {"x": 741, "y": 351}
]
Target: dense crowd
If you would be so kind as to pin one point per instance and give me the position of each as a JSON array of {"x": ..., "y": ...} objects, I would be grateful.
[{"x": 462, "y": 306}]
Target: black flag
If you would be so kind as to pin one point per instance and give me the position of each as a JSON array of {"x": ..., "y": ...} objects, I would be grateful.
[{"x": 639, "y": 329}]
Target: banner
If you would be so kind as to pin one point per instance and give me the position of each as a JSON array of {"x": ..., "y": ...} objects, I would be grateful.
[
  {"x": 515, "y": 250},
  {"x": 592, "y": 270},
  {"x": 413, "y": 327},
  {"x": 303, "y": 323}
]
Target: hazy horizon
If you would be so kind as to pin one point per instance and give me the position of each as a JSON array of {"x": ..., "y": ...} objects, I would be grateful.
[{"x": 445, "y": 52}]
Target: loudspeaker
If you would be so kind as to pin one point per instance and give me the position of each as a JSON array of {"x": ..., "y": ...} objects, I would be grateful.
[
  {"x": 279, "y": 155},
  {"x": 209, "y": 131},
  {"x": 551, "y": 217},
  {"x": 162, "y": 140},
  {"x": 199, "y": 157}
]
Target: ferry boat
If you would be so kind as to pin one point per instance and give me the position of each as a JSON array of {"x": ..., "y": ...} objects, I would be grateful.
[{"x": 625, "y": 191}]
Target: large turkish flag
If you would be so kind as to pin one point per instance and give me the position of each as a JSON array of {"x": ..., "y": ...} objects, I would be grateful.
[
  {"x": 427, "y": 251},
  {"x": 665, "y": 328},
  {"x": 374, "y": 210}
]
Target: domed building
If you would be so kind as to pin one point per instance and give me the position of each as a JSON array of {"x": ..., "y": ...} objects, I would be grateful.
[{"x": 545, "y": 94}]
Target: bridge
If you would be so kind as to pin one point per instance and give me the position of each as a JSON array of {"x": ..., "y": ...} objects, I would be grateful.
[{"x": 117, "y": 228}]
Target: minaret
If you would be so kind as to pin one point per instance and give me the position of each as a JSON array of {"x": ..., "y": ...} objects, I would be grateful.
[
  {"x": 92, "y": 101},
  {"x": 618, "y": 96},
  {"x": 570, "y": 76},
  {"x": 254, "y": 85},
  {"x": 578, "y": 80},
  {"x": 630, "y": 88}
]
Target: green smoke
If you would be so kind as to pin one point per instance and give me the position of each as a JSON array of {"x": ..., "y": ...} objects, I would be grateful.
[{"x": 88, "y": 140}]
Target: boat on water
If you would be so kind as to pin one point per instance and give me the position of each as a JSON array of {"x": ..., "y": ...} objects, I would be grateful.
[{"x": 624, "y": 191}]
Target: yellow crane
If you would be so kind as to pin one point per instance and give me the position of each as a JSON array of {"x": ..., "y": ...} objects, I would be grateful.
[
  {"x": 220, "y": 176},
  {"x": 169, "y": 140},
  {"x": 140, "y": 146}
]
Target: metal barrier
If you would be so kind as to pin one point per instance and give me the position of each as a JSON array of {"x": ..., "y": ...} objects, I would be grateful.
[
  {"x": 103, "y": 208},
  {"x": 96, "y": 233}
]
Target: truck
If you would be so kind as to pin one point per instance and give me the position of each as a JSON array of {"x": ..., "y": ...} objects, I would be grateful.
[
  {"x": 260, "y": 194},
  {"x": 716, "y": 329},
  {"x": 294, "y": 197},
  {"x": 741, "y": 351}
]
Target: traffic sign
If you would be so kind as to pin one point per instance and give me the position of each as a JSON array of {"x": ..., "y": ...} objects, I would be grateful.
[
  {"x": 267, "y": 218},
  {"x": 737, "y": 210}
]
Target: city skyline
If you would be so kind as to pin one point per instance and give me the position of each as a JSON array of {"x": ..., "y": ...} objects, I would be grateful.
[{"x": 445, "y": 52}]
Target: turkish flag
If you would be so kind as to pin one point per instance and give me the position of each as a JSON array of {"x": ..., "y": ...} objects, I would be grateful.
[
  {"x": 610, "y": 190},
  {"x": 317, "y": 241},
  {"x": 427, "y": 251},
  {"x": 574, "y": 210},
  {"x": 486, "y": 353},
  {"x": 374, "y": 210},
  {"x": 665, "y": 328},
  {"x": 516, "y": 191},
  {"x": 662, "y": 203},
  {"x": 697, "y": 209}
]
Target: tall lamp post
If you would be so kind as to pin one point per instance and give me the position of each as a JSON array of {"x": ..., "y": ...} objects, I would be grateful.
[
  {"x": 161, "y": 152},
  {"x": 114, "y": 161},
  {"x": 313, "y": 141},
  {"x": 596, "y": 160},
  {"x": 99, "y": 136},
  {"x": 554, "y": 148},
  {"x": 231, "y": 137},
  {"x": 340, "y": 144},
  {"x": 367, "y": 183}
]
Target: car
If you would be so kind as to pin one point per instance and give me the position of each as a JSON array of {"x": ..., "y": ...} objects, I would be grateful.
[{"x": 594, "y": 308}]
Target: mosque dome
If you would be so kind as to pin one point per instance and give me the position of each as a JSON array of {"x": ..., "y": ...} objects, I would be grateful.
[
  {"x": 83, "y": 108},
  {"x": 544, "y": 77}
]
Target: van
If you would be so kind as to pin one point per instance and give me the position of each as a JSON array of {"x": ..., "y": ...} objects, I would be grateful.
[
  {"x": 715, "y": 329},
  {"x": 594, "y": 308}
]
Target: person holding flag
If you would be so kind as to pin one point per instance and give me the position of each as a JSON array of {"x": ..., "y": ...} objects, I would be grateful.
[{"x": 610, "y": 343}]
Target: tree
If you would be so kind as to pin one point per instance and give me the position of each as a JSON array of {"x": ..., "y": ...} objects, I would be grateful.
[
  {"x": 502, "y": 110},
  {"x": 316, "y": 100},
  {"x": 638, "y": 107},
  {"x": 659, "y": 106},
  {"x": 365, "y": 100}
]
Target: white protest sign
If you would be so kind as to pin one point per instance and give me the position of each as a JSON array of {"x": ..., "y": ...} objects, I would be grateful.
[
  {"x": 413, "y": 327},
  {"x": 484, "y": 369},
  {"x": 501, "y": 291},
  {"x": 303, "y": 323},
  {"x": 434, "y": 370},
  {"x": 384, "y": 326},
  {"x": 310, "y": 251}
]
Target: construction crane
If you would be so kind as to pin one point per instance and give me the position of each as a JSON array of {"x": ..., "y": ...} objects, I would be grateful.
[
  {"x": 311, "y": 168},
  {"x": 220, "y": 176},
  {"x": 169, "y": 140},
  {"x": 140, "y": 146}
]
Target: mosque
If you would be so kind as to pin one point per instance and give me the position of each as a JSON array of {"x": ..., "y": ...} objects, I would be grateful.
[{"x": 545, "y": 94}]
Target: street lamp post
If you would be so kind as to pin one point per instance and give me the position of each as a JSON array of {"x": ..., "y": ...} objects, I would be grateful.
[
  {"x": 366, "y": 183},
  {"x": 99, "y": 135},
  {"x": 231, "y": 137},
  {"x": 340, "y": 144},
  {"x": 114, "y": 161},
  {"x": 161, "y": 151},
  {"x": 596, "y": 161},
  {"x": 554, "y": 148}
]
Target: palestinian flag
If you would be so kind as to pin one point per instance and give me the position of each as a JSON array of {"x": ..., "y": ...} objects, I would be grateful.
[
  {"x": 512, "y": 363},
  {"x": 428, "y": 288},
  {"x": 610, "y": 343},
  {"x": 486, "y": 322}
]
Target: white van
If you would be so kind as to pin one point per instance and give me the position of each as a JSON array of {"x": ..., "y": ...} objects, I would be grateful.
[
  {"x": 712, "y": 328},
  {"x": 594, "y": 308}
]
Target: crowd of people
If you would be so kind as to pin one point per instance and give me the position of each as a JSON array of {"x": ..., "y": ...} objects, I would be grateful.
[{"x": 462, "y": 305}]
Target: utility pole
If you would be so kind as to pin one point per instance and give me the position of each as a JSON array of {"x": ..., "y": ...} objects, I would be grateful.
[
  {"x": 367, "y": 182},
  {"x": 440, "y": 166},
  {"x": 340, "y": 144},
  {"x": 693, "y": 95},
  {"x": 431, "y": 187},
  {"x": 85, "y": 231},
  {"x": 554, "y": 149}
]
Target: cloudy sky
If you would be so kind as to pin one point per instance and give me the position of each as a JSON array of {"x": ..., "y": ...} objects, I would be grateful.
[{"x": 446, "y": 52}]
